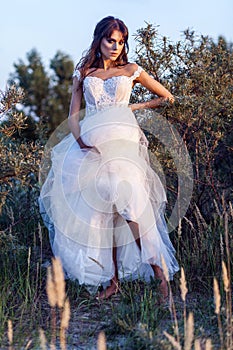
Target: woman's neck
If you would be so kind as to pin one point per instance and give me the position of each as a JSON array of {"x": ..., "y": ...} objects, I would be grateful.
[{"x": 108, "y": 64}]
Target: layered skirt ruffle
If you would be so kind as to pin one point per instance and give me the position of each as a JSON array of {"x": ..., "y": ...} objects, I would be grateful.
[{"x": 90, "y": 193}]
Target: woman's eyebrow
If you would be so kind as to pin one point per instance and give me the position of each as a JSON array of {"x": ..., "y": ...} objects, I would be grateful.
[{"x": 115, "y": 39}]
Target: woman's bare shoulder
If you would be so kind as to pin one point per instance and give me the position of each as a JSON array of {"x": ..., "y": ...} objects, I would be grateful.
[
  {"x": 131, "y": 68},
  {"x": 90, "y": 70}
]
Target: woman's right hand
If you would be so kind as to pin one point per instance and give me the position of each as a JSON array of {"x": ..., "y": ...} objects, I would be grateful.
[{"x": 82, "y": 144}]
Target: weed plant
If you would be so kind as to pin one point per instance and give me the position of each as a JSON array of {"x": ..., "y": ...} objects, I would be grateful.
[{"x": 38, "y": 309}]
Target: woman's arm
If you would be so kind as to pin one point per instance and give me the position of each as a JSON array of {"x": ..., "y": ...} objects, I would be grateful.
[
  {"x": 73, "y": 119},
  {"x": 155, "y": 87}
]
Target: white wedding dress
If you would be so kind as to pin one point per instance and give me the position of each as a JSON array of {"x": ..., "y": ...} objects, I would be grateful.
[{"x": 90, "y": 193}]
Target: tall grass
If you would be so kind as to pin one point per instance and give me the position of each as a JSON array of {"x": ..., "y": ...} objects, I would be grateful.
[{"x": 134, "y": 319}]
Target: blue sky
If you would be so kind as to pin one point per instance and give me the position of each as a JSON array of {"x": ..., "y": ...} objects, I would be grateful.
[{"x": 67, "y": 25}]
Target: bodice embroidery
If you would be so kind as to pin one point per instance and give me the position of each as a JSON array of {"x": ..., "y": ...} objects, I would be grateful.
[{"x": 100, "y": 93}]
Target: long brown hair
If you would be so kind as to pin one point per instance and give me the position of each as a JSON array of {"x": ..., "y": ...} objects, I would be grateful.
[{"x": 104, "y": 29}]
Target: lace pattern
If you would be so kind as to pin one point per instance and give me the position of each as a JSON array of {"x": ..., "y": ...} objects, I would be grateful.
[
  {"x": 84, "y": 188},
  {"x": 100, "y": 94},
  {"x": 136, "y": 74},
  {"x": 76, "y": 74}
]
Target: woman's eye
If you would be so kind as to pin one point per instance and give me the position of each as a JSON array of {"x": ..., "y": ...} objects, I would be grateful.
[{"x": 110, "y": 41}]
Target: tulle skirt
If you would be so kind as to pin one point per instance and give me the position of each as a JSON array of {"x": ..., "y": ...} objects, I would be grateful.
[{"x": 90, "y": 194}]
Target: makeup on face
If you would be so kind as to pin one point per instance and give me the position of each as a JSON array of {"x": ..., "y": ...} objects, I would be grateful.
[{"x": 111, "y": 47}]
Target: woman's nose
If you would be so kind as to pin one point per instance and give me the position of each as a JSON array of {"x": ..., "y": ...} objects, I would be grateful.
[{"x": 115, "y": 46}]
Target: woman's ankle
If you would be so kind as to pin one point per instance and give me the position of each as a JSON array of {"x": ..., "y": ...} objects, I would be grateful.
[
  {"x": 158, "y": 272},
  {"x": 163, "y": 286},
  {"x": 110, "y": 290}
]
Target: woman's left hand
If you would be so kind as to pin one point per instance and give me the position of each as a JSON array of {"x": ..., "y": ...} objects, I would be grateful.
[
  {"x": 160, "y": 102},
  {"x": 136, "y": 106},
  {"x": 155, "y": 103}
]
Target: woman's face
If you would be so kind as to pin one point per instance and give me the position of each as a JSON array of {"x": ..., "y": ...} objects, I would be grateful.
[{"x": 111, "y": 47}]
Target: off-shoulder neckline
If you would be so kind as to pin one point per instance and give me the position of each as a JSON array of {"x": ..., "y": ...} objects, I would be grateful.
[
  {"x": 138, "y": 70},
  {"x": 114, "y": 76}
]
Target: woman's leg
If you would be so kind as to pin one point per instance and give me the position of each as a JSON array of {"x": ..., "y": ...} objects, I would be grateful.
[
  {"x": 114, "y": 286},
  {"x": 158, "y": 272}
]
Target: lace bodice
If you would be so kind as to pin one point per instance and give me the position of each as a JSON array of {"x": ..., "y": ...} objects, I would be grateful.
[{"x": 100, "y": 94}]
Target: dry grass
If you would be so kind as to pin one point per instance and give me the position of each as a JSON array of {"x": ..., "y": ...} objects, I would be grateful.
[{"x": 131, "y": 316}]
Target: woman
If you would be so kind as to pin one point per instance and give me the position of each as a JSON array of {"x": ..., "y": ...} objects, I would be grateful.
[{"x": 104, "y": 201}]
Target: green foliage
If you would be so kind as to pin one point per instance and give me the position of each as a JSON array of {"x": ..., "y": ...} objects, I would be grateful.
[
  {"x": 20, "y": 159},
  {"x": 33, "y": 78},
  {"x": 199, "y": 72},
  {"x": 47, "y": 97},
  {"x": 59, "y": 99}
]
